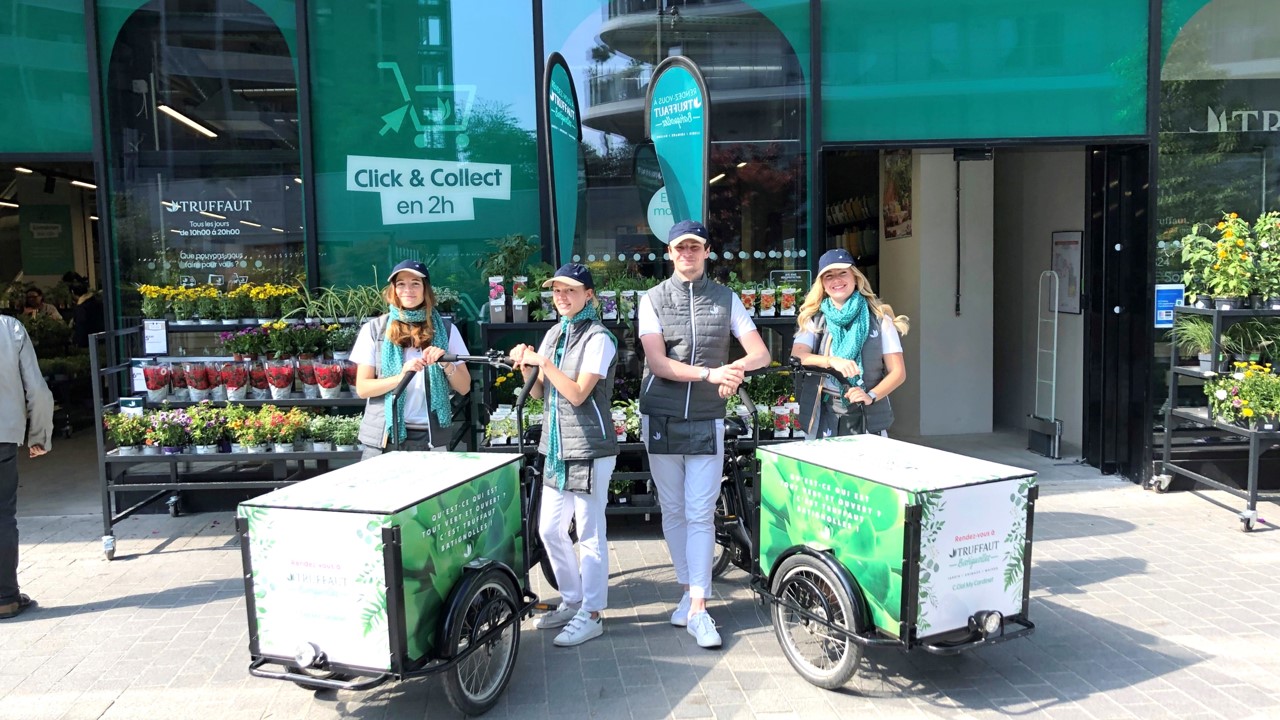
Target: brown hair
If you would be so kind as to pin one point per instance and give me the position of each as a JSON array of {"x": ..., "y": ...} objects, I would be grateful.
[{"x": 406, "y": 334}]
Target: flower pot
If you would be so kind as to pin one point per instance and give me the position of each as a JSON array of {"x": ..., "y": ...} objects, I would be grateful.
[
  {"x": 1228, "y": 303},
  {"x": 1206, "y": 362},
  {"x": 171, "y": 450},
  {"x": 217, "y": 393},
  {"x": 321, "y": 446},
  {"x": 1202, "y": 301},
  {"x": 630, "y": 304},
  {"x": 519, "y": 313},
  {"x": 292, "y": 320},
  {"x": 497, "y": 300},
  {"x": 150, "y": 450},
  {"x": 206, "y": 449},
  {"x": 203, "y": 321},
  {"x": 497, "y": 313},
  {"x": 348, "y": 320},
  {"x": 128, "y": 450},
  {"x": 548, "y": 305},
  {"x": 280, "y": 373},
  {"x": 198, "y": 395},
  {"x": 1267, "y": 424},
  {"x": 265, "y": 321},
  {"x": 788, "y": 301},
  {"x": 346, "y": 448},
  {"x": 608, "y": 305},
  {"x": 157, "y": 395},
  {"x": 1272, "y": 303},
  {"x": 281, "y": 393},
  {"x": 329, "y": 393},
  {"x": 248, "y": 321},
  {"x": 748, "y": 297},
  {"x": 237, "y": 448},
  {"x": 341, "y": 354},
  {"x": 237, "y": 393},
  {"x": 255, "y": 448},
  {"x": 768, "y": 302},
  {"x": 282, "y": 447}
]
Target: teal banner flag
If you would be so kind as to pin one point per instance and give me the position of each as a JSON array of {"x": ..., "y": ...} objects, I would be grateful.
[
  {"x": 564, "y": 135},
  {"x": 678, "y": 123}
]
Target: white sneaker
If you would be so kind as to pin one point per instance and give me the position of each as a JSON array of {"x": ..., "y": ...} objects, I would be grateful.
[
  {"x": 580, "y": 629},
  {"x": 703, "y": 629},
  {"x": 680, "y": 617},
  {"x": 557, "y": 618}
]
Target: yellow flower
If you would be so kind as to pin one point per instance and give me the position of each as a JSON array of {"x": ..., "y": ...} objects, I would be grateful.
[
  {"x": 1221, "y": 225},
  {"x": 1234, "y": 216},
  {"x": 1247, "y": 412},
  {"x": 1239, "y": 243}
]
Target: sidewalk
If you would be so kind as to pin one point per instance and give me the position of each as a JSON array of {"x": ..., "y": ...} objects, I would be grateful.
[{"x": 1147, "y": 606}]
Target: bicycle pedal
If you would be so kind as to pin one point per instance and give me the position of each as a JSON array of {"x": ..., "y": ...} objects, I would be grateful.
[{"x": 543, "y": 607}]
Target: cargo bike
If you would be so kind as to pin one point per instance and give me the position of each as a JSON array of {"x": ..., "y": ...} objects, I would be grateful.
[
  {"x": 403, "y": 565},
  {"x": 862, "y": 541}
]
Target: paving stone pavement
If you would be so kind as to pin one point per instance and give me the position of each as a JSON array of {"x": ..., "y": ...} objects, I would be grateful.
[{"x": 1147, "y": 606}]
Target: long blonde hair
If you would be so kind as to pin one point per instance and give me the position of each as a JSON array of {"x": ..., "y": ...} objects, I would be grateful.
[
  {"x": 411, "y": 335},
  {"x": 813, "y": 303}
]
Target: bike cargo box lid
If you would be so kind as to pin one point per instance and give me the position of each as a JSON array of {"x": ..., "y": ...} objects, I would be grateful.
[
  {"x": 896, "y": 464},
  {"x": 385, "y": 484}
]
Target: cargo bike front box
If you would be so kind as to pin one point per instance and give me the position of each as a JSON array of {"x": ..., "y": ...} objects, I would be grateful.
[
  {"x": 405, "y": 564},
  {"x": 866, "y": 541}
]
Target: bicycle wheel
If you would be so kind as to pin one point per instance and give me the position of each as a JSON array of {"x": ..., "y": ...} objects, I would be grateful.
[
  {"x": 474, "y": 684},
  {"x": 821, "y": 655}
]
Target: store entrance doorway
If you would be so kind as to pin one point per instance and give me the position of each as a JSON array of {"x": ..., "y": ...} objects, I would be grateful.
[{"x": 957, "y": 239}]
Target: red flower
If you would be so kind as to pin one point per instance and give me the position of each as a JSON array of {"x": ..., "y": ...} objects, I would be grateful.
[
  {"x": 258, "y": 377},
  {"x": 280, "y": 376},
  {"x": 235, "y": 375},
  {"x": 179, "y": 377},
  {"x": 349, "y": 371},
  {"x": 307, "y": 371},
  {"x": 156, "y": 376},
  {"x": 198, "y": 377},
  {"x": 328, "y": 375}
]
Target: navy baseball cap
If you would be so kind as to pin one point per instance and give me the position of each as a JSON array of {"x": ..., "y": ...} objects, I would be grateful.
[
  {"x": 575, "y": 274},
  {"x": 837, "y": 259},
  {"x": 688, "y": 230},
  {"x": 411, "y": 266}
]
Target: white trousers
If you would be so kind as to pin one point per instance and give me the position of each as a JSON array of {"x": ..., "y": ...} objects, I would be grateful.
[
  {"x": 688, "y": 487},
  {"x": 584, "y": 581}
]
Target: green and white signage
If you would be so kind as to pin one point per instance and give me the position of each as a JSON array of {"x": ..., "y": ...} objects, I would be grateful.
[
  {"x": 677, "y": 120},
  {"x": 849, "y": 495},
  {"x": 564, "y": 127},
  {"x": 316, "y": 549}
]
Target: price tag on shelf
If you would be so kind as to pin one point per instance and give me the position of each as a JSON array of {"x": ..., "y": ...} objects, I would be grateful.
[
  {"x": 135, "y": 371},
  {"x": 155, "y": 337}
]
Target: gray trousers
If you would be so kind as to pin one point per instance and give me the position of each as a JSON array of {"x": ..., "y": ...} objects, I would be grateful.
[
  {"x": 8, "y": 523},
  {"x": 414, "y": 441}
]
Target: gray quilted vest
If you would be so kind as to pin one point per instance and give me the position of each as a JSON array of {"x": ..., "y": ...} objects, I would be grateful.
[
  {"x": 879, "y": 413},
  {"x": 697, "y": 329},
  {"x": 373, "y": 430},
  {"x": 586, "y": 431}
]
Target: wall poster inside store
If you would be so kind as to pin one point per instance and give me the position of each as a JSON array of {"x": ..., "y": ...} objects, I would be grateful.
[
  {"x": 895, "y": 194},
  {"x": 1066, "y": 263}
]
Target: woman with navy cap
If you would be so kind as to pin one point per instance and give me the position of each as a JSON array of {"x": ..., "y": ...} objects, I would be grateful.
[
  {"x": 410, "y": 337},
  {"x": 844, "y": 326},
  {"x": 575, "y": 364}
]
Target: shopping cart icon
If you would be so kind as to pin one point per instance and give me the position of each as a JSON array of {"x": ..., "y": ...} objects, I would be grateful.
[{"x": 441, "y": 109}]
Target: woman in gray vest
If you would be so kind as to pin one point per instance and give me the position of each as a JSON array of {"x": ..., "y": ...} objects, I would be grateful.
[
  {"x": 844, "y": 326},
  {"x": 685, "y": 325},
  {"x": 576, "y": 363},
  {"x": 410, "y": 337}
]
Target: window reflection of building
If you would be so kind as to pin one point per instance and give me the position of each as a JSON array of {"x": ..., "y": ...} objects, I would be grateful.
[
  {"x": 203, "y": 141},
  {"x": 756, "y": 85}
]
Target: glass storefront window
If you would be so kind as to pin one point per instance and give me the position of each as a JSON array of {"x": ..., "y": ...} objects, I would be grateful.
[
  {"x": 1219, "y": 143},
  {"x": 424, "y": 134},
  {"x": 44, "y": 78},
  {"x": 758, "y": 163},
  {"x": 203, "y": 148}
]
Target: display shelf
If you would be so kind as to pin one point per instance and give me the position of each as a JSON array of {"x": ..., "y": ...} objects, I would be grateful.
[{"x": 1255, "y": 442}]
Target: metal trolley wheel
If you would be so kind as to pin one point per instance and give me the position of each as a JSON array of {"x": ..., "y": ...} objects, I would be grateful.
[
  {"x": 820, "y": 654},
  {"x": 476, "y": 682}
]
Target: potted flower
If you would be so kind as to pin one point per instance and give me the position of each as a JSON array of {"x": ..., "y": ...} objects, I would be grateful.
[
  {"x": 265, "y": 301},
  {"x": 328, "y": 376},
  {"x": 501, "y": 429},
  {"x": 346, "y": 433},
  {"x": 768, "y": 302},
  {"x": 349, "y": 374},
  {"x": 746, "y": 292},
  {"x": 279, "y": 339},
  {"x": 198, "y": 382},
  {"x": 208, "y": 427},
  {"x": 238, "y": 304},
  {"x": 178, "y": 383},
  {"x": 293, "y": 303},
  {"x": 1267, "y": 282},
  {"x": 320, "y": 429},
  {"x": 280, "y": 378},
  {"x": 249, "y": 432},
  {"x": 169, "y": 430},
  {"x": 127, "y": 431},
  {"x": 184, "y": 301},
  {"x": 787, "y": 299},
  {"x": 1230, "y": 276},
  {"x": 217, "y": 392},
  {"x": 341, "y": 338},
  {"x": 156, "y": 377},
  {"x": 283, "y": 428},
  {"x": 235, "y": 379},
  {"x": 155, "y": 300},
  {"x": 209, "y": 305}
]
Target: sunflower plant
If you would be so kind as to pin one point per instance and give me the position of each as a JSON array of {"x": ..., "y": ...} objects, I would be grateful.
[
  {"x": 1231, "y": 274},
  {"x": 1266, "y": 231}
]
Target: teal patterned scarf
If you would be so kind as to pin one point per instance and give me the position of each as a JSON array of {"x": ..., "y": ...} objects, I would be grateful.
[
  {"x": 555, "y": 463},
  {"x": 393, "y": 361},
  {"x": 848, "y": 325}
]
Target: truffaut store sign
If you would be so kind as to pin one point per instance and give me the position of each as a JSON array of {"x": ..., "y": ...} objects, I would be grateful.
[{"x": 422, "y": 191}]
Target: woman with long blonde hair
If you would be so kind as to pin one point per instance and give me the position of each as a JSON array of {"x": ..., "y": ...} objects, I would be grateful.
[
  {"x": 411, "y": 337},
  {"x": 845, "y": 327}
]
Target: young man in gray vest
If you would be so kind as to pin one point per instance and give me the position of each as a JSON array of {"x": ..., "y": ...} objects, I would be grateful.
[{"x": 685, "y": 326}]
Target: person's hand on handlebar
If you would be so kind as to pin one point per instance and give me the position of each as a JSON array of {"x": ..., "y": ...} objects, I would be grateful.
[
  {"x": 419, "y": 364},
  {"x": 858, "y": 395},
  {"x": 432, "y": 355},
  {"x": 526, "y": 358},
  {"x": 844, "y": 366}
]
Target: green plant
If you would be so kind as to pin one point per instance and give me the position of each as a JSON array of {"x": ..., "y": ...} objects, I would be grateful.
[
  {"x": 208, "y": 424},
  {"x": 126, "y": 430},
  {"x": 209, "y": 304},
  {"x": 321, "y": 428},
  {"x": 1267, "y": 233},
  {"x": 447, "y": 299},
  {"x": 59, "y": 295},
  {"x": 48, "y": 335},
  {"x": 1193, "y": 335},
  {"x": 309, "y": 339},
  {"x": 346, "y": 430},
  {"x": 508, "y": 257},
  {"x": 1246, "y": 339},
  {"x": 1231, "y": 274},
  {"x": 342, "y": 337},
  {"x": 168, "y": 428}
]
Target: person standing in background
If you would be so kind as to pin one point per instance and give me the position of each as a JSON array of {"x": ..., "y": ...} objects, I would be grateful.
[{"x": 26, "y": 416}]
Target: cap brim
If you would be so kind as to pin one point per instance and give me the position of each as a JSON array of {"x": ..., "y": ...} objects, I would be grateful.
[
  {"x": 834, "y": 266},
  {"x": 688, "y": 236},
  {"x": 562, "y": 279},
  {"x": 408, "y": 270}
]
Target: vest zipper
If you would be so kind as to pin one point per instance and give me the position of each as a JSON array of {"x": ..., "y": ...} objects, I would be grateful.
[
  {"x": 693, "y": 350},
  {"x": 568, "y": 335},
  {"x": 600, "y": 418}
]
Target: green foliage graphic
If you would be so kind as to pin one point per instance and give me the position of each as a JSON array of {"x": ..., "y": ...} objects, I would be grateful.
[{"x": 858, "y": 521}]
